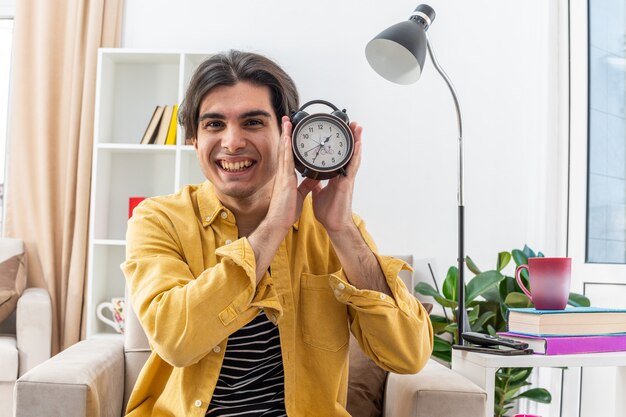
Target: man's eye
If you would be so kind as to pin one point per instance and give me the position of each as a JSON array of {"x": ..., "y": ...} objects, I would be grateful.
[
  {"x": 254, "y": 122},
  {"x": 213, "y": 124}
]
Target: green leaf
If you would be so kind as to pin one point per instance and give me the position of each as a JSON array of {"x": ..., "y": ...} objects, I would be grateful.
[
  {"x": 481, "y": 283},
  {"x": 529, "y": 252},
  {"x": 517, "y": 300},
  {"x": 436, "y": 318},
  {"x": 439, "y": 328},
  {"x": 445, "y": 302},
  {"x": 471, "y": 265},
  {"x": 473, "y": 314},
  {"x": 425, "y": 288},
  {"x": 439, "y": 323},
  {"x": 540, "y": 395},
  {"x": 450, "y": 283},
  {"x": 511, "y": 393},
  {"x": 491, "y": 330},
  {"x": 578, "y": 300},
  {"x": 484, "y": 318},
  {"x": 503, "y": 260},
  {"x": 519, "y": 257},
  {"x": 521, "y": 374},
  {"x": 441, "y": 345},
  {"x": 492, "y": 295},
  {"x": 444, "y": 356},
  {"x": 451, "y": 328}
]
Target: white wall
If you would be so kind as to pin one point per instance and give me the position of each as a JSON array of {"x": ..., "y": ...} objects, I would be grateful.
[{"x": 501, "y": 57}]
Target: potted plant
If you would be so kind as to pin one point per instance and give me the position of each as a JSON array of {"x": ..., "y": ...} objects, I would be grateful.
[{"x": 488, "y": 296}]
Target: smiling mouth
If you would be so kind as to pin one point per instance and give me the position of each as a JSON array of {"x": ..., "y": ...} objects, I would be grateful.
[{"x": 238, "y": 166}]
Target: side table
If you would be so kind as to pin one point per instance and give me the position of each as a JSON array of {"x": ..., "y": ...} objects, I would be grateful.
[{"x": 481, "y": 369}]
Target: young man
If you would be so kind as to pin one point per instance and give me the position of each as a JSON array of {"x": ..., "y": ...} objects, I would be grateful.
[{"x": 248, "y": 285}]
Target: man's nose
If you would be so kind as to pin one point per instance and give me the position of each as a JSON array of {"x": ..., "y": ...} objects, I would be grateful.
[{"x": 233, "y": 140}]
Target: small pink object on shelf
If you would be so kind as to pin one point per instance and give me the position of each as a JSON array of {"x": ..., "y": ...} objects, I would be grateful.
[
  {"x": 132, "y": 203},
  {"x": 526, "y": 415}
]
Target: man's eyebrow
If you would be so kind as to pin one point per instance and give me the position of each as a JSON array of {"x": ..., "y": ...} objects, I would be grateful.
[
  {"x": 255, "y": 113},
  {"x": 211, "y": 116},
  {"x": 248, "y": 114}
]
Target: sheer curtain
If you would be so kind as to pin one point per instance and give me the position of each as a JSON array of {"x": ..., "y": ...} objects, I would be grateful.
[{"x": 50, "y": 144}]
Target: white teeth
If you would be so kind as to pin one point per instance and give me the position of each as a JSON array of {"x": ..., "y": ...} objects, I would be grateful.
[{"x": 235, "y": 166}]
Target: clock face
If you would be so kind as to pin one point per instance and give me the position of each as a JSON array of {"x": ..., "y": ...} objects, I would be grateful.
[{"x": 322, "y": 143}]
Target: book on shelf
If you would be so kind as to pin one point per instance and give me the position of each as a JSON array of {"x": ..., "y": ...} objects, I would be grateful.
[
  {"x": 152, "y": 128},
  {"x": 566, "y": 345},
  {"x": 574, "y": 321},
  {"x": 164, "y": 126},
  {"x": 171, "y": 133}
]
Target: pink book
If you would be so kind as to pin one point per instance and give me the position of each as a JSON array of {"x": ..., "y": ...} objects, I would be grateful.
[{"x": 563, "y": 345}]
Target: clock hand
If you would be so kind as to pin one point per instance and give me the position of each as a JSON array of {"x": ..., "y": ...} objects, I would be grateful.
[
  {"x": 317, "y": 154},
  {"x": 321, "y": 146},
  {"x": 316, "y": 146}
]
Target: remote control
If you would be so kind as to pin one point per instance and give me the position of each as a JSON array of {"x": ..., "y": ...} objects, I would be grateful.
[{"x": 488, "y": 340}]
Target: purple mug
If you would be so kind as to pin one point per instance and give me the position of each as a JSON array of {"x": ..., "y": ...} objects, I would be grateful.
[{"x": 549, "y": 282}]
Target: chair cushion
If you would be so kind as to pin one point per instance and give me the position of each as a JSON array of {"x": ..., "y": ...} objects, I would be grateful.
[
  {"x": 12, "y": 284},
  {"x": 8, "y": 358},
  {"x": 365, "y": 384}
]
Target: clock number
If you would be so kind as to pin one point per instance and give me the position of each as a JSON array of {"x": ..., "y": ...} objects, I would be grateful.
[
  {"x": 341, "y": 144},
  {"x": 306, "y": 154},
  {"x": 311, "y": 129},
  {"x": 337, "y": 134},
  {"x": 320, "y": 126},
  {"x": 333, "y": 160},
  {"x": 302, "y": 144},
  {"x": 305, "y": 135},
  {"x": 323, "y": 163},
  {"x": 338, "y": 152}
]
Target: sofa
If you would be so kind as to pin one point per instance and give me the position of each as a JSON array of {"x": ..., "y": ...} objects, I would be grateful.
[
  {"x": 94, "y": 378},
  {"x": 25, "y": 322}
]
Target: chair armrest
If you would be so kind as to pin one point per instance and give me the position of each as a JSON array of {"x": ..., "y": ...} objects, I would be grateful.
[
  {"x": 33, "y": 328},
  {"x": 87, "y": 379},
  {"x": 435, "y": 391}
]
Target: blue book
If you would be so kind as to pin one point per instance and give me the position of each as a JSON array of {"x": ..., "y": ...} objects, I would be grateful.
[{"x": 573, "y": 321}]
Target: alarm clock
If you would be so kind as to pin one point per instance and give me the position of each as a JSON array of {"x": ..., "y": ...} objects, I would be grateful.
[{"x": 322, "y": 143}]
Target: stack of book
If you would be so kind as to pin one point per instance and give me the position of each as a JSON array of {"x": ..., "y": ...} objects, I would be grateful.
[
  {"x": 161, "y": 129},
  {"x": 569, "y": 331}
]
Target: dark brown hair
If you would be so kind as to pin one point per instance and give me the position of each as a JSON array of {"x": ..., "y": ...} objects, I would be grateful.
[{"x": 229, "y": 68}]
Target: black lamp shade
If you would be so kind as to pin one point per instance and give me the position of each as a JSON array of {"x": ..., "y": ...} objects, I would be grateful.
[{"x": 397, "y": 53}]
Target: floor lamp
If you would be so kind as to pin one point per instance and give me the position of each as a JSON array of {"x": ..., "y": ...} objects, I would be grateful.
[{"x": 397, "y": 54}]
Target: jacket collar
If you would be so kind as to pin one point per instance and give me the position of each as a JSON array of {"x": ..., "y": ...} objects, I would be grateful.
[{"x": 209, "y": 206}]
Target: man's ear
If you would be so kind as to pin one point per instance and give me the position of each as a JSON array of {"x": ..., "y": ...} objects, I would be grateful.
[{"x": 194, "y": 142}]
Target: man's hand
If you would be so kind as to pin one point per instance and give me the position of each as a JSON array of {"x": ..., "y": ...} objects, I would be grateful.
[
  {"x": 332, "y": 204},
  {"x": 285, "y": 205}
]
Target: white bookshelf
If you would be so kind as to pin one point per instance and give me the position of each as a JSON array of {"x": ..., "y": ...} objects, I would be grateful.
[{"x": 129, "y": 85}]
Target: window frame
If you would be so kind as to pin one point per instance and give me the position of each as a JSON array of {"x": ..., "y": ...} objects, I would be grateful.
[{"x": 583, "y": 273}]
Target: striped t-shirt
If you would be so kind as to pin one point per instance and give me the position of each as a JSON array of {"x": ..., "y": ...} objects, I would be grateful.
[{"x": 251, "y": 381}]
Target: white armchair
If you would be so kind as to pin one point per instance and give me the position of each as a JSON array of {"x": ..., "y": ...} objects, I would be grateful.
[
  {"x": 94, "y": 378},
  {"x": 25, "y": 336}
]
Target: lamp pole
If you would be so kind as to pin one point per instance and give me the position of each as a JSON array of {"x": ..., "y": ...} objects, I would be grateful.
[{"x": 462, "y": 313}]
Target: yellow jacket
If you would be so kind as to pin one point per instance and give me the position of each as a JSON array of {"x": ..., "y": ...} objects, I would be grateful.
[{"x": 192, "y": 284}]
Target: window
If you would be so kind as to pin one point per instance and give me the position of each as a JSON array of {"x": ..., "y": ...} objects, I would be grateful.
[
  {"x": 6, "y": 42},
  {"x": 606, "y": 177}
]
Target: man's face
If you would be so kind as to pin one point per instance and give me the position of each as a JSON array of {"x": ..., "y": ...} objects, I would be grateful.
[{"x": 237, "y": 141}]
